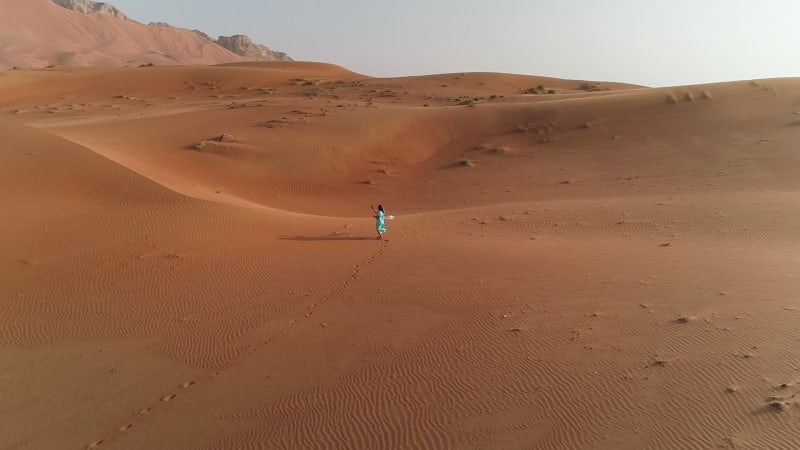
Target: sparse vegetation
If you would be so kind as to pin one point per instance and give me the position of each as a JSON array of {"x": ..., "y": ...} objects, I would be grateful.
[
  {"x": 525, "y": 127},
  {"x": 303, "y": 82},
  {"x": 780, "y": 405},
  {"x": 660, "y": 362},
  {"x": 672, "y": 99},
  {"x": 200, "y": 146},
  {"x": 592, "y": 87},
  {"x": 147, "y": 65},
  {"x": 220, "y": 190},
  {"x": 497, "y": 151},
  {"x": 707, "y": 95},
  {"x": 466, "y": 163},
  {"x": 689, "y": 97},
  {"x": 540, "y": 89}
]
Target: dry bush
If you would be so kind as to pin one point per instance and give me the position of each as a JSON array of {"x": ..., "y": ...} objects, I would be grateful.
[
  {"x": 525, "y": 127},
  {"x": 466, "y": 163}
]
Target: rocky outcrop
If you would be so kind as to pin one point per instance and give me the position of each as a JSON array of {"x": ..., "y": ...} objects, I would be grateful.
[
  {"x": 244, "y": 46},
  {"x": 204, "y": 35},
  {"x": 237, "y": 44},
  {"x": 90, "y": 7}
]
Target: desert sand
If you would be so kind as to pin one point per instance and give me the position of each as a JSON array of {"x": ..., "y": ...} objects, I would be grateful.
[{"x": 189, "y": 261}]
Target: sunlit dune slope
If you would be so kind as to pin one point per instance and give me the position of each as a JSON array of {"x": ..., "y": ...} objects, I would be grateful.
[{"x": 261, "y": 130}]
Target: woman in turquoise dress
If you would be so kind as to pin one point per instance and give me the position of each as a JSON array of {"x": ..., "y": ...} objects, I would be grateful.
[{"x": 380, "y": 226}]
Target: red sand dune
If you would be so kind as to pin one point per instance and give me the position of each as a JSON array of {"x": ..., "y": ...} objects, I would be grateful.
[
  {"x": 189, "y": 261},
  {"x": 39, "y": 33}
]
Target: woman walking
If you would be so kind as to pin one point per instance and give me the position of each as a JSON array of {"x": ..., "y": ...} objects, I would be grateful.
[{"x": 379, "y": 216}]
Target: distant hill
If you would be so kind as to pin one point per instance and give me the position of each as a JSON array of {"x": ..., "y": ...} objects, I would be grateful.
[
  {"x": 239, "y": 44},
  {"x": 41, "y": 33}
]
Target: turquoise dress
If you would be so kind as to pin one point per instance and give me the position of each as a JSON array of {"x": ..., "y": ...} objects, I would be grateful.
[{"x": 379, "y": 225}]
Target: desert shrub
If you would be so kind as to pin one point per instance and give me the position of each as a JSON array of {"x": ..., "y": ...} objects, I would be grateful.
[
  {"x": 466, "y": 163},
  {"x": 525, "y": 127}
]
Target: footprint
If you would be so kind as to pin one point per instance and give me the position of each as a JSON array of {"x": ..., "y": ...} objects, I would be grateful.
[
  {"x": 96, "y": 444},
  {"x": 125, "y": 427},
  {"x": 168, "y": 397},
  {"x": 187, "y": 385}
]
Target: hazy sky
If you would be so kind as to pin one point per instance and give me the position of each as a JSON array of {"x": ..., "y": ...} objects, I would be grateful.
[{"x": 650, "y": 42}]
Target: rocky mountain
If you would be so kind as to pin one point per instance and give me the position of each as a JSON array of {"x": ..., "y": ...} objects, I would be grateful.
[
  {"x": 243, "y": 46},
  {"x": 41, "y": 33},
  {"x": 238, "y": 44},
  {"x": 90, "y": 7}
]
